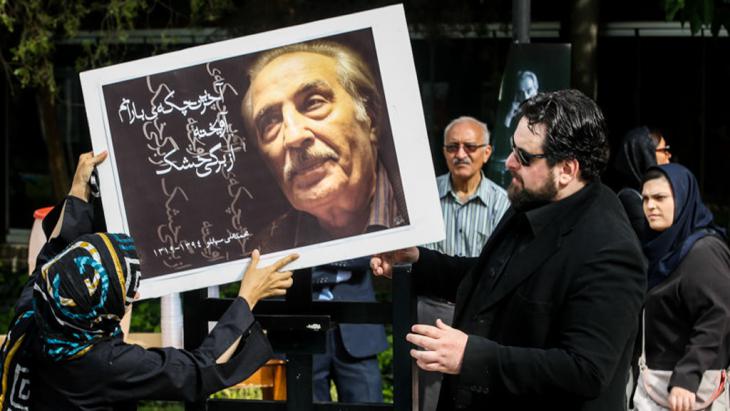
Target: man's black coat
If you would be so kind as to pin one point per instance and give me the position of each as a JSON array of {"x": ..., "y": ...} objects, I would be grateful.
[{"x": 557, "y": 328}]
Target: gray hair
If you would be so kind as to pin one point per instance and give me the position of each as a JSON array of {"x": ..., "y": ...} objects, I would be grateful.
[
  {"x": 353, "y": 73},
  {"x": 482, "y": 126}
]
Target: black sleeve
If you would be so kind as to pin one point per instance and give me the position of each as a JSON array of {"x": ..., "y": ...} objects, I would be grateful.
[
  {"x": 180, "y": 375},
  {"x": 705, "y": 290},
  {"x": 77, "y": 220},
  {"x": 78, "y": 217},
  {"x": 438, "y": 274}
]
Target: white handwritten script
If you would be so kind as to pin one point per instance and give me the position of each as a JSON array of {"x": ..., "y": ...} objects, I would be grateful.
[
  {"x": 181, "y": 131},
  {"x": 210, "y": 142},
  {"x": 192, "y": 246}
]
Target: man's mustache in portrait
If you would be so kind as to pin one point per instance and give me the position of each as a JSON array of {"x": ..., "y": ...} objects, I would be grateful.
[{"x": 299, "y": 160}]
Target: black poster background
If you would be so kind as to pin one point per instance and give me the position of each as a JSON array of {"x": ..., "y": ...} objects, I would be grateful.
[
  {"x": 550, "y": 63},
  {"x": 204, "y": 211}
]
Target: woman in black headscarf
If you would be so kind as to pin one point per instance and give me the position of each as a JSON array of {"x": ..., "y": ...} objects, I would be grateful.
[
  {"x": 688, "y": 304},
  {"x": 633, "y": 158},
  {"x": 65, "y": 348}
]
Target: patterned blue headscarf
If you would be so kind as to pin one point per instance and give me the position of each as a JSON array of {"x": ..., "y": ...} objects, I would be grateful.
[
  {"x": 79, "y": 298},
  {"x": 692, "y": 221},
  {"x": 82, "y": 294}
]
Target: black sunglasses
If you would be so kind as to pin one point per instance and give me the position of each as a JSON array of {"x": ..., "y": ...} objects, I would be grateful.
[
  {"x": 664, "y": 149},
  {"x": 468, "y": 147},
  {"x": 523, "y": 156}
]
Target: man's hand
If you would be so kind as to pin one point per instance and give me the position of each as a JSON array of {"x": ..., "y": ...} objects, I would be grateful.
[
  {"x": 681, "y": 399},
  {"x": 80, "y": 185},
  {"x": 258, "y": 283},
  {"x": 444, "y": 347},
  {"x": 382, "y": 264}
]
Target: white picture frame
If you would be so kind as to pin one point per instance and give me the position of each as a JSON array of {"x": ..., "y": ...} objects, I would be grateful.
[{"x": 404, "y": 111}]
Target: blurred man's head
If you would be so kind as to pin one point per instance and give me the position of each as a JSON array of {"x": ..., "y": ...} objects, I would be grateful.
[
  {"x": 559, "y": 145},
  {"x": 315, "y": 110},
  {"x": 527, "y": 85},
  {"x": 466, "y": 148},
  {"x": 663, "y": 154}
]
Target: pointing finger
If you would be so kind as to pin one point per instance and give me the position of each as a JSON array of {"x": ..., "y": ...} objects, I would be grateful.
[
  {"x": 97, "y": 159},
  {"x": 255, "y": 255},
  {"x": 284, "y": 261}
]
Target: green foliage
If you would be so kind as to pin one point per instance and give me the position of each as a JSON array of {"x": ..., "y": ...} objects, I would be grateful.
[
  {"x": 207, "y": 11},
  {"x": 146, "y": 316},
  {"x": 385, "y": 360},
  {"x": 11, "y": 284},
  {"x": 160, "y": 406},
  {"x": 699, "y": 13},
  {"x": 29, "y": 31},
  {"x": 239, "y": 393}
]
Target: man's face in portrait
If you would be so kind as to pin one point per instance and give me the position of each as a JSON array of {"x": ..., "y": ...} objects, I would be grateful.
[
  {"x": 534, "y": 182},
  {"x": 465, "y": 150},
  {"x": 317, "y": 140},
  {"x": 526, "y": 88}
]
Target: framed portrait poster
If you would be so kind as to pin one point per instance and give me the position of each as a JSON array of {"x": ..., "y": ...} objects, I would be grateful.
[
  {"x": 308, "y": 139},
  {"x": 530, "y": 68}
]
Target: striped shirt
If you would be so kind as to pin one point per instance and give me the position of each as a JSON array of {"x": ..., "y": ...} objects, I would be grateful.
[
  {"x": 384, "y": 213},
  {"x": 468, "y": 225}
]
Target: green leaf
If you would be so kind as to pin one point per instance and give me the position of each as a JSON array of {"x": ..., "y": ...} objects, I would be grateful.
[
  {"x": 672, "y": 7},
  {"x": 708, "y": 11}
]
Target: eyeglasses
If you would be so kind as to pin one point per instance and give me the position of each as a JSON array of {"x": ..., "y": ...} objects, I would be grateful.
[
  {"x": 664, "y": 149},
  {"x": 468, "y": 147},
  {"x": 523, "y": 156}
]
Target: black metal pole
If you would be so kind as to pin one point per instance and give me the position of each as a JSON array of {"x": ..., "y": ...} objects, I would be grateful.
[
  {"x": 195, "y": 329},
  {"x": 404, "y": 309},
  {"x": 521, "y": 21},
  {"x": 299, "y": 366},
  {"x": 5, "y": 209}
]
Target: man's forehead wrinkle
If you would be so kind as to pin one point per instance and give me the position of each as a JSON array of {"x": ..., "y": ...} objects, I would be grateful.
[{"x": 314, "y": 85}]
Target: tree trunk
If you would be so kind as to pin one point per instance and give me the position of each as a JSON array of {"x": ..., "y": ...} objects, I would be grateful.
[
  {"x": 584, "y": 39},
  {"x": 52, "y": 136}
]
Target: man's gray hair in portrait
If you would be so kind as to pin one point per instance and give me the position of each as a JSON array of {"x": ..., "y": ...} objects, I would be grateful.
[{"x": 353, "y": 73}]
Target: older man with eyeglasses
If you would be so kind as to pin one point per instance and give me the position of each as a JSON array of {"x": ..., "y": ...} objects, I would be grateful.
[
  {"x": 546, "y": 316},
  {"x": 472, "y": 205}
]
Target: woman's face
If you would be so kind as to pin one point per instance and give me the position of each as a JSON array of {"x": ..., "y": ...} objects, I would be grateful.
[
  {"x": 658, "y": 203},
  {"x": 662, "y": 152}
]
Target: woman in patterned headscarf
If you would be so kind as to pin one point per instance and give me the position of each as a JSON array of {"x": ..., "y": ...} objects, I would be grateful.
[{"x": 65, "y": 349}]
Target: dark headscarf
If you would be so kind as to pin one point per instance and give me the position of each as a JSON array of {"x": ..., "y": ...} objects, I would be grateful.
[
  {"x": 692, "y": 221},
  {"x": 79, "y": 298},
  {"x": 636, "y": 154}
]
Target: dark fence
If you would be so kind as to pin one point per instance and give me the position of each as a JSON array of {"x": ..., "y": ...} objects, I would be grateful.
[{"x": 297, "y": 327}]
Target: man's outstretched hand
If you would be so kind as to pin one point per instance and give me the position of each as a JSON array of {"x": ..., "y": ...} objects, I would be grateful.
[{"x": 382, "y": 264}]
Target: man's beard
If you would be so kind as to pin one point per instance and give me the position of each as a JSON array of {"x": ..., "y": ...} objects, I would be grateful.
[{"x": 524, "y": 199}]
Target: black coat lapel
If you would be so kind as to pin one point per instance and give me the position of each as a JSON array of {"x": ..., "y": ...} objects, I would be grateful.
[
  {"x": 472, "y": 278},
  {"x": 523, "y": 265},
  {"x": 528, "y": 261}
]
